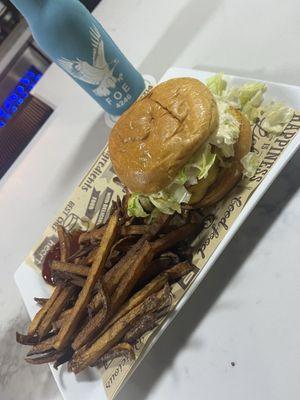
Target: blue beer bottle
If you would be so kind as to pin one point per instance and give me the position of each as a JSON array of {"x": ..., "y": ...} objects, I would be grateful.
[{"x": 76, "y": 41}]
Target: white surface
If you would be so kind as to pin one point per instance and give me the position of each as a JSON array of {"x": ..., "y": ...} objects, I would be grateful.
[
  {"x": 253, "y": 287},
  {"x": 29, "y": 281}
]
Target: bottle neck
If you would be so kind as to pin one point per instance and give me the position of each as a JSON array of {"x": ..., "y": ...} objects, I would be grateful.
[{"x": 28, "y": 8}]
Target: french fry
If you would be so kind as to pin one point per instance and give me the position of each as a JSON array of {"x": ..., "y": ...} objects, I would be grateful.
[
  {"x": 143, "y": 325},
  {"x": 42, "y": 347},
  {"x": 120, "y": 350},
  {"x": 66, "y": 356},
  {"x": 60, "y": 303},
  {"x": 125, "y": 199},
  {"x": 113, "y": 276},
  {"x": 90, "y": 257},
  {"x": 89, "y": 355},
  {"x": 157, "y": 266},
  {"x": 154, "y": 286},
  {"x": 95, "y": 234},
  {"x": 66, "y": 313},
  {"x": 132, "y": 276},
  {"x": 28, "y": 340},
  {"x": 119, "y": 205},
  {"x": 195, "y": 217},
  {"x": 77, "y": 280},
  {"x": 124, "y": 244},
  {"x": 81, "y": 252},
  {"x": 95, "y": 273},
  {"x": 130, "y": 220},
  {"x": 43, "y": 311},
  {"x": 185, "y": 252},
  {"x": 113, "y": 258},
  {"x": 50, "y": 356},
  {"x": 178, "y": 271},
  {"x": 93, "y": 325},
  {"x": 40, "y": 300},
  {"x": 104, "y": 300},
  {"x": 160, "y": 224},
  {"x": 64, "y": 243},
  {"x": 95, "y": 303},
  {"x": 170, "y": 239},
  {"x": 56, "y": 325},
  {"x": 126, "y": 230},
  {"x": 79, "y": 261},
  {"x": 77, "y": 269},
  {"x": 163, "y": 311},
  {"x": 137, "y": 230},
  {"x": 170, "y": 255},
  {"x": 67, "y": 279}
]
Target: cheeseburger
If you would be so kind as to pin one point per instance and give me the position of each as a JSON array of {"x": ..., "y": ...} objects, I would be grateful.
[{"x": 179, "y": 146}]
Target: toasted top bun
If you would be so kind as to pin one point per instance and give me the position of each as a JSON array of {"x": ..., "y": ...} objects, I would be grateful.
[
  {"x": 159, "y": 133},
  {"x": 228, "y": 177}
]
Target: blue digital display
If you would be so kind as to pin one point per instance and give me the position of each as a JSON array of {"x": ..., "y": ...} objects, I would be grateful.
[{"x": 17, "y": 96}]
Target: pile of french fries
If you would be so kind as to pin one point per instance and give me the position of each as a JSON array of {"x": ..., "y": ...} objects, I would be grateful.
[{"x": 116, "y": 287}]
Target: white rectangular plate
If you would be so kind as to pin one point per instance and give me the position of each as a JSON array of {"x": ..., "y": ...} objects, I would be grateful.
[{"x": 88, "y": 385}]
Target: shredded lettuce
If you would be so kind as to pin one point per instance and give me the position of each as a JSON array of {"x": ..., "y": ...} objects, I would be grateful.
[
  {"x": 276, "y": 116},
  {"x": 232, "y": 97},
  {"x": 250, "y": 163},
  {"x": 168, "y": 200},
  {"x": 249, "y": 99},
  {"x": 252, "y": 92},
  {"x": 217, "y": 84},
  {"x": 135, "y": 208},
  {"x": 228, "y": 131},
  {"x": 182, "y": 177},
  {"x": 204, "y": 161}
]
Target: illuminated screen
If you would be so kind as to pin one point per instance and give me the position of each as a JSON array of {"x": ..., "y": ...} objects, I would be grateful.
[{"x": 17, "y": 96}]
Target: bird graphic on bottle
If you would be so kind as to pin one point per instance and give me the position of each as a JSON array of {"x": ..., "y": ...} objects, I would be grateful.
[
  {"x": 100, "y": 73},
  {"x": 74, "y": 39}
]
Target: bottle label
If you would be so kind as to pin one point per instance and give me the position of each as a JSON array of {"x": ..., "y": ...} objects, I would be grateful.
[{"x": 104, "y": 82}]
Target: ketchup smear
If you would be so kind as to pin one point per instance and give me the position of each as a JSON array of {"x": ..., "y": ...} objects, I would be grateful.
[{"x": 54, "y": 254}]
